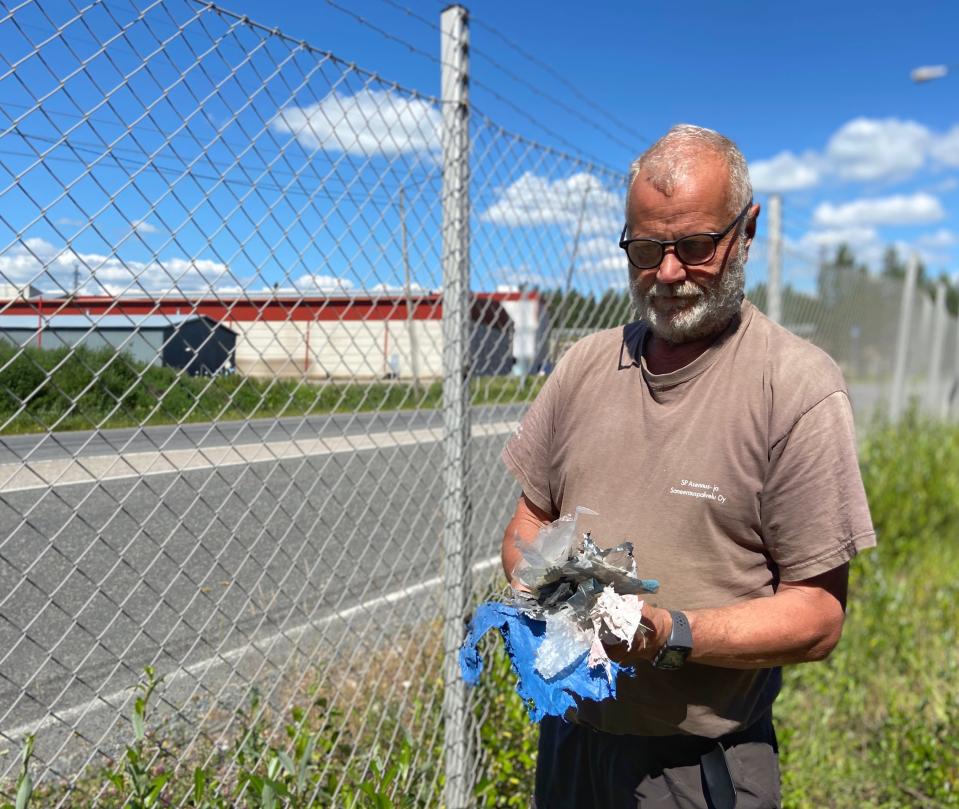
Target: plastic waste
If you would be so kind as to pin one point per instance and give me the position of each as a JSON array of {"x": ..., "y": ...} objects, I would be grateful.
[{"x": 574, "y": 596}]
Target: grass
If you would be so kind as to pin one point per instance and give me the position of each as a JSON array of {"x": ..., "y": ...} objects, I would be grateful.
[
  {"x": 876, "y": 726},
  {"x": 82, "y": 389}
]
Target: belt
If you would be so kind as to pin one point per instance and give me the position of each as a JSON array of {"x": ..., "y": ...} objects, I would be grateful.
[{"x": 716, "y": 778}]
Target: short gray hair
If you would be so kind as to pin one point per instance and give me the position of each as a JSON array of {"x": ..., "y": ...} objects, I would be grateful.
[{"x": 670, "y": 159}]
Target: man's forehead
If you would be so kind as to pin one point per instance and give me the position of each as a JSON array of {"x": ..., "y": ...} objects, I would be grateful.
[{"x": 696, "y": 197}]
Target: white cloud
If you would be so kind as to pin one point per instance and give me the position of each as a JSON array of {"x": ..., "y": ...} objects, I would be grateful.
[
  {"x": 871, "y": 149},
  {"x": 508, "y": 278},
  {"x": 51, "y": 269},
  {"x": 861, "y": 150},
  {"x": 601, "y": 254},
  {"x": 865, "y": 243},
  {"x": 946, "y": 185},
  {"x": 534, "y": 200},
  {"x": 372, "y": 122},
  {"x": 784, "y": 172},
  {"x": 946, "y": 148},
  {"x": 142, "y": 226},
  {"x": 325, "y": 284},
  {"x": 393, "y": 289},
  {"x": 915, "y": 209},
  {"x": 940, "y": 238},
  {"x": 855, "y": 237}
]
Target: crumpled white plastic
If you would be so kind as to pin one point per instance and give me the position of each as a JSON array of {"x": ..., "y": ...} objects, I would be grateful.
[{"x": 616, "y": 618}]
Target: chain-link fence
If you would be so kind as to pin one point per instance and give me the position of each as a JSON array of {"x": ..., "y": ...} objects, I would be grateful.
[
  {"x": 892, "y": 335},
  {"x": 266, "y": 322}
]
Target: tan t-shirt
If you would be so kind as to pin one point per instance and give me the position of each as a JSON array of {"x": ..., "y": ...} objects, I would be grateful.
[{"x": 728, "y": 475}]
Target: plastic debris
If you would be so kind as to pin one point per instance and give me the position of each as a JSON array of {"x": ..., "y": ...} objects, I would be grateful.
[{"x": 573, "y": 599}]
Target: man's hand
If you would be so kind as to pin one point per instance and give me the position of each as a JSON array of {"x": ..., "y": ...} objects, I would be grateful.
[
  {"x": 658, "y": 624},
  {"x": 525, "y": 524}
]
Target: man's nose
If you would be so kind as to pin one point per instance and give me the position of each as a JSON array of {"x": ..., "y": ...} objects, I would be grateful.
[{"x": 671, "y": 269}]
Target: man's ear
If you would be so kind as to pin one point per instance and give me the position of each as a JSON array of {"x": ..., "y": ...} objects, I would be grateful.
[{"x": 751, "y": 218}]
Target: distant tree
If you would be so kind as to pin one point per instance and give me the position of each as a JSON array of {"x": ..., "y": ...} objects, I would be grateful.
[{"x": 894, "y": 267}]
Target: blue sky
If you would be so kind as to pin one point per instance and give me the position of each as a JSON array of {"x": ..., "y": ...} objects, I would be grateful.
[{"x": 817, "y": 95}]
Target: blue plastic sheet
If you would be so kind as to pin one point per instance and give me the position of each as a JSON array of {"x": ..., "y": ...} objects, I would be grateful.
[{"x": 522, "y": 636}]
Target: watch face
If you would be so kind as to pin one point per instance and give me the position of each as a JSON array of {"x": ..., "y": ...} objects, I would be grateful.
[{"x": 671, "y": 658}]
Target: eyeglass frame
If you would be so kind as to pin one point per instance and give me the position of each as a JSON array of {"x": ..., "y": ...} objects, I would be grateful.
[{"x": 716, "y": 237}]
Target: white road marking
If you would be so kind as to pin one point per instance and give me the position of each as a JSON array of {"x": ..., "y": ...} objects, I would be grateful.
[
  {"x": 116, "y": 700},
  {"x": 21, "y": 477}
]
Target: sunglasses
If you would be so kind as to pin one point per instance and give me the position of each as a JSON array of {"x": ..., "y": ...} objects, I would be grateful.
[{"x": 697, "y": 248}]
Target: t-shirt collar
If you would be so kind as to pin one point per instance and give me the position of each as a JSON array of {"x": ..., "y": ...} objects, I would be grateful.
[{"x": 635, "y": 334}]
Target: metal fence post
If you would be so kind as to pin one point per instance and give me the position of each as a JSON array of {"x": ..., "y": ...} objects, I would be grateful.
[
  {"x": 898, "y": 397},
  {"x": 454, "y": 52},
  {"x": 950, "y": 400},
  {"x": 774, "y": 305},
  {"x": 939, "y": 316}
]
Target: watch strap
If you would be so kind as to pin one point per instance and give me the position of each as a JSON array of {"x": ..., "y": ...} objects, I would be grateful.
[
  {"x": 680, "y": 643},
  {"x": 681, "y": 634}
]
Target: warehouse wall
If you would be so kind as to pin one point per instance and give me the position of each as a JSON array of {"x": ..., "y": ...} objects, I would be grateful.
[
  {"x": 143, "y": 345},
  {"x": 357, "y": 349}
]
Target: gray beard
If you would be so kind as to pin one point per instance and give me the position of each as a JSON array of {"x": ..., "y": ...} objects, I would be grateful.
[{"x": 711, "y": 311}]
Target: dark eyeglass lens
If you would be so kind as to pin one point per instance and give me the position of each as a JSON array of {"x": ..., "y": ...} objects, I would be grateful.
[
  {"x": 645, "y": 254},
  {"x": 696, "y": 249}
]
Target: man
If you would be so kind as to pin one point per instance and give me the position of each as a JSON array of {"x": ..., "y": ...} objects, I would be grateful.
[{"x": 723, "y": 447}]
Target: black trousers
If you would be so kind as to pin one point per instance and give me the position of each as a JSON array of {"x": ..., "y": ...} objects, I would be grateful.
[{"x": 580, "y": 768}]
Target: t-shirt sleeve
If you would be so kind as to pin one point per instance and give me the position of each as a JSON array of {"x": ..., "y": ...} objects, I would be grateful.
[
  {"x": 815, "y": 516},
  {"x": 528, "y": 452}
]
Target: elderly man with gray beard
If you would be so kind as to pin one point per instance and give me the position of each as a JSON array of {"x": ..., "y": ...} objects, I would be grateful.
[{"x": 722, "y": 446}]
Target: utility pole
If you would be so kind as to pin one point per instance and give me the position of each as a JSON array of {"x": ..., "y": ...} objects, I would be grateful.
[
  {"x": 560, "y": 314},
  {"x": 774, "y": 304}
]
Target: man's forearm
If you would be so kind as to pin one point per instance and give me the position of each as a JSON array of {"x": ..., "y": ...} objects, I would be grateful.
[
  {"x": 802, "y": 622},
  {"x": 789, "y": 627}
]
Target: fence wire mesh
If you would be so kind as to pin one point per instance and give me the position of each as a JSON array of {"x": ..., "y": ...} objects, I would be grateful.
[{"x": 221, "y": 367}]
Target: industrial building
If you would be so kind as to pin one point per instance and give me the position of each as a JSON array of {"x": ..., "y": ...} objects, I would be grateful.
[{"x": 340, "y": 337}]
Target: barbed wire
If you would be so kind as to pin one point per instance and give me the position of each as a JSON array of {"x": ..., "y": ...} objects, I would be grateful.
[
  {"x": 474, "y": 81},
  {"x": 302, "y": 43},
  {"x": 515, "y": 77},
  {"x": 558, "y": 77},
  {"x": 384, "y": 33},
  {"x": 591, "y": 163}
]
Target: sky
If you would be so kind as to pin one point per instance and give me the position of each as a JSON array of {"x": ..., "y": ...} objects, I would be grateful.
[{"x": 302, "y": 172}]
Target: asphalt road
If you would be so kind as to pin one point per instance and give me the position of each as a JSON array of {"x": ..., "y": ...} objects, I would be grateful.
[
  {"x": 48, "y": 446},
  {"x": 220, "y": 574}
]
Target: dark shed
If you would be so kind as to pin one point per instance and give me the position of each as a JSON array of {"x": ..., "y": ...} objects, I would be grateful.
[{"x": 199, "y": 345}]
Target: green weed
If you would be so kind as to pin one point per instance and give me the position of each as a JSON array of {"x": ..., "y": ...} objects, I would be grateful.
[
  {"x": 23, "y": 786},
  {"x": 80, "y": 389}
]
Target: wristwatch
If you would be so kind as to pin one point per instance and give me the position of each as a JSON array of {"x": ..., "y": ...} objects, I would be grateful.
[{"x": 678, "y": 646}]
